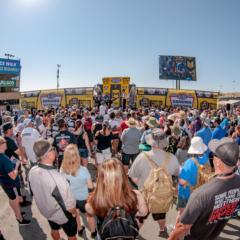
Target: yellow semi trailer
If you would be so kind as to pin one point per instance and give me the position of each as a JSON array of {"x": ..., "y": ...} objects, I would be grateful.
[{"x": 114, "y": 87}]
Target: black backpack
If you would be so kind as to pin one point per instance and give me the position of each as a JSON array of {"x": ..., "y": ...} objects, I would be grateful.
[{"x": 118, "y": 224}]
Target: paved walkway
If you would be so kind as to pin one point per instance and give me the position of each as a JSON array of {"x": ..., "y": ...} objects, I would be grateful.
[{"x": 39, "y": 229}]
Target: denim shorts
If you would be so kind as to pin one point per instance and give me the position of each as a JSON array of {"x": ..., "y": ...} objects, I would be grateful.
[
  {"x": 181, "y": 203},
  {"x": 83, "y": 152},
  {"x": 126, "y": 158}
]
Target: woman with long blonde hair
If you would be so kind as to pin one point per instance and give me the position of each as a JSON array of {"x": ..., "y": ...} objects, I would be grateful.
[
  {"x": 113, "y": 190},
  {"x": 79, "y": 179}
]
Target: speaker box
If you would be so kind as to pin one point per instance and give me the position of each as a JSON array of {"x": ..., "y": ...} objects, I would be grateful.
[{"x": 228, "y": 106}]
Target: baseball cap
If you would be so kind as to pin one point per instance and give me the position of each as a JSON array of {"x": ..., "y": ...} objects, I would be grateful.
[
  {"x": 7, "y": 126},
  {"x": 41, "y": 147},
  {"x": 226, "y": 150}
]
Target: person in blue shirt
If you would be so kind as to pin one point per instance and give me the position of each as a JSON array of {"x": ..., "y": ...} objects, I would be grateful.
[
  {"x": 79, "y": 179},
  {"x": 189, "y": 172},
  {"x": 205, "y": 134},
  {"x": 218, "y": 132}
]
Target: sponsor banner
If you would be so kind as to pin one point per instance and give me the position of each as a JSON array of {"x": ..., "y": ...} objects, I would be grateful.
[
  {"x": 8, "y": 83},
  {"x": 182, "y": 100},
  {"x": 51, "y": 100},
  {"x": 204, "y": 94},
  {"x": 30, "y": 94},
  {"x": 116, "y": 80},
  {"x": 9, "y": 66},
  {"x": 204, "y": 105},
  {"x": 79, "y": 91},
  {"x": 74, "y": 101},
  {"x": 26, "y": 104},
  {"x": 155, "y": 91}
]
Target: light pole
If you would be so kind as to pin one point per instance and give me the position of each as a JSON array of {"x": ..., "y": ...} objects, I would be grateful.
[
  {"x": 234, "y": 90},
  {"x": 58, "y": 66}
]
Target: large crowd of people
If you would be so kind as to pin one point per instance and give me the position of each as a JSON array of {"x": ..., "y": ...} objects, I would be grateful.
[{"x": 196, "y": 151}]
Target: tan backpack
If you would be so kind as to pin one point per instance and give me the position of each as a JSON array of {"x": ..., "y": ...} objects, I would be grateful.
[
  {"x": 205, "y": 174},
  {"x": 158, "y": 188}
]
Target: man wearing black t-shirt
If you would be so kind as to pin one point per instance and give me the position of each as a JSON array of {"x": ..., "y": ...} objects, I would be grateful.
[
  {"x": 212, "y": 205},
  {"x": 12, "y": 149},
  {"x": 62, "y": 139},
  {"x": 13, "y": 152}
]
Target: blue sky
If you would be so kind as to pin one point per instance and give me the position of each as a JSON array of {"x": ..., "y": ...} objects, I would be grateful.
[{"x": 92, "y": 39}]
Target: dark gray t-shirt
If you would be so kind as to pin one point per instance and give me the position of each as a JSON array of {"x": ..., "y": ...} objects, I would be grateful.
[
  {"x": 130, "y": 140},
  {"x": 210, "y": 207}
]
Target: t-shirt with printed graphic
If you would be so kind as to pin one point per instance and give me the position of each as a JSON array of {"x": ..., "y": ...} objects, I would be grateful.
[
  {"x": 61, "y": 140},
  {"x": 210, "y": 207},
  {"x": 71, "y": 125}
]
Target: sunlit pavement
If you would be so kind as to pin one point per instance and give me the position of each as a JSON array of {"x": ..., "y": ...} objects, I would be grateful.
[{"x": 40, "y": 230}]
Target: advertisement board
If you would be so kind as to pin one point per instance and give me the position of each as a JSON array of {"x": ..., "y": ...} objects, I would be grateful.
[
  {"x": 79, "y": 91},
  {"x": 177, "y": 68},
  {"x": 9, "y": 66},
  {"x": 155, "y": 91},
  {"x": 181, "y": 98},
  {"x": 51, "y": 100},
  {"x": 30, "y": 94},
  {"x": 8, "y": 83}
]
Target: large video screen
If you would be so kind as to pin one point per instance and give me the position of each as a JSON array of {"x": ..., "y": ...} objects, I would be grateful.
[{"x": 177, "y": 68}]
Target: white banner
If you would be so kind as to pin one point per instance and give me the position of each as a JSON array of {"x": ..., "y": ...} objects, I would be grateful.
[
  {"x": 182, "y": 100},
  {"x": 51, "y": 100}
]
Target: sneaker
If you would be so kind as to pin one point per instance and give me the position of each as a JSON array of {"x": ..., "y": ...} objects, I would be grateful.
[
  {"x": 94, "y": 234},
  {"x": 24, "y": 222},
  {"x": 80, "y": 232},
  {"x": 163, "y": 233},
  {"x": 25, "y": 203}
]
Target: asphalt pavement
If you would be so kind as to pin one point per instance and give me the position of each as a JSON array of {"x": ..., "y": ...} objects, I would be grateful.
[{"x": 40, "y": 230}]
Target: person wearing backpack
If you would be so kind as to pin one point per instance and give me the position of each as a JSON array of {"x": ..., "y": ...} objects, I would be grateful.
[
  {"x": 114, "y": 203},
  {"x": 189, "y": 173},
  {"x": 166, "y": 165}
]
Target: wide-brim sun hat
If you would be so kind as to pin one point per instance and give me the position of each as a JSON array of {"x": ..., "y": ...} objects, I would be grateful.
[
  {"x": 152, "y": 122},
  {"x": 131, "y": 122},
  {"x": 172, "y": 117},
  {"x": 197, "y": 146},
  {"x": 176, "y": 130},
  {"x": 157, "y": 138},
  {"x": 181, "y": 115}
]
